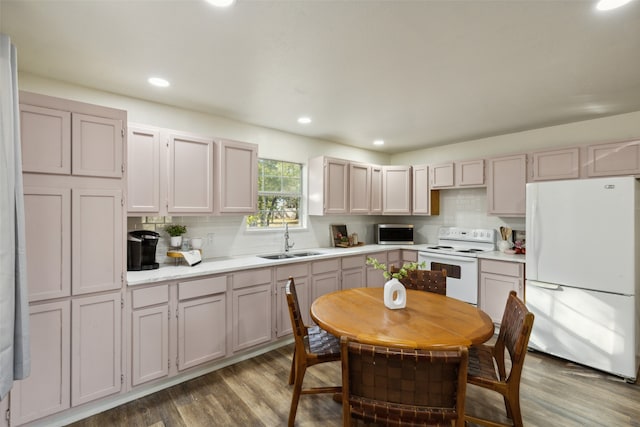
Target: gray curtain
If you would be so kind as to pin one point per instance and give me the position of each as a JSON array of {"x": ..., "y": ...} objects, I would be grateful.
[{"x": 14, "y": 309}]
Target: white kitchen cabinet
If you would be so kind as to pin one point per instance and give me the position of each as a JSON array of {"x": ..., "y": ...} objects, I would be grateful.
[
  {"x": 506, "y": 186},
  {"x": 97, "y": 255},
  {"x": 300, "y": 274},
  {"x": 202, "y": 322},
  {"x": 48, "y": 237},
  {"x": 616, "y": 158},
  {"x": 442, "y": 175},
  {"x": 469, "y": 173},
  {"x": 359, "y": 188},
  {"x": 47, "y": 390},
  {"x": 252, "y": 308},
  {"x": 396, "y": 190},
  {"x": 150, "y": 334},
  {"x": 375, "y": 278},
  {"x": 190, "y": 174},
  {"x": 497, "y": 279},
  {"x": 66, "y": 137},
  {"x": 354, "y": 274},
  {"x": 143, "y": 170},
  {"x": 409, "y": 256},
  {"x": 555, "y": 164},
  {"x": 376, "y": 190},
  {"x": 425, "y": 201},
  {"x": 96, "y": 347},
  {"x": 328, "y": 186},
  {"x": 237, "y": 177}
]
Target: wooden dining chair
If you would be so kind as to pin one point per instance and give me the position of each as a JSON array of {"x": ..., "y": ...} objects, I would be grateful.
[
  {"x": 425, "y": 280},
  {"x": 400, "y": 386},
  {"x": 313, "y": 345},
  {"x": 515, "y": 330}
]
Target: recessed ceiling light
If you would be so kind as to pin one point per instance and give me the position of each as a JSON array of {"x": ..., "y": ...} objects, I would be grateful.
[
  {"x": 610, "y": 4},
  {"x": 157, "y": 81},
  {"x": 304, "y": 120},
  {"x": 378, "y": 142},
  {"x": 221, "y": 3}
]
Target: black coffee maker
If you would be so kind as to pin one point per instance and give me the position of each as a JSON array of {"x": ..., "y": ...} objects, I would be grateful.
[{"x": 141, "y": 250}]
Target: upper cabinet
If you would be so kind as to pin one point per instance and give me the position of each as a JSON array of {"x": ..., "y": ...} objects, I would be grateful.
[
  {"x": 617, "y": 158},
  {"x": 328, "y": 186},
  {"x": 396, "y": 190},
  {"x": 555, "y": 164},
  {"x": 468, "y": 173},
  {"x": 376, "y": 190},
  {"x": 237, "y": 177},
  {"x": 442, "y": 175},
  {"x": 506, "y": 185},
  {"x": 359, "y": 188},
  {"x": 424, "y": 200},
  {"x": 57, "y": 139},
  {"x": 178, "y": 173}
]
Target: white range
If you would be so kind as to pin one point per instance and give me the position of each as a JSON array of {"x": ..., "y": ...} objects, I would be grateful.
[{"x": 457, "y": 252}]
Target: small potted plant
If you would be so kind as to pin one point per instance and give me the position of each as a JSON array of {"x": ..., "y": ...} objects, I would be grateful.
[
  {"x": 175, "y": 231},
  {"x": 395, "y": 294},
  {"x": 400, "y": 274}
]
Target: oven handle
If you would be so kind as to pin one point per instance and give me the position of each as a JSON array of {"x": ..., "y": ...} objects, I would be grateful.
[{"x": 423, "y": 255}]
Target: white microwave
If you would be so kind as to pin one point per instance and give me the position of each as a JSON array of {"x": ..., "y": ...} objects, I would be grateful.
[{"x": 394, "y": 234}]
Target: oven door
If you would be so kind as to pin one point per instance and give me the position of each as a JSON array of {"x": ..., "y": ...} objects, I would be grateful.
[{"x": 462, "y": 274}]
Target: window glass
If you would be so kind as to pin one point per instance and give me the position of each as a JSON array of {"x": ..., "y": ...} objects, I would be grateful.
[{"x": 279, "y": 195}]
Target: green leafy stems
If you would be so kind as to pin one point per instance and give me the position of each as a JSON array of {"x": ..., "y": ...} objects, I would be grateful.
[
  {"x": 401, "y": 273},
  {"x": 175, "y": 230}
]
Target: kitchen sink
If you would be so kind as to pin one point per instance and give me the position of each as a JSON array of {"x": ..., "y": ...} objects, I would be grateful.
[{"x": 289, "y": 255}]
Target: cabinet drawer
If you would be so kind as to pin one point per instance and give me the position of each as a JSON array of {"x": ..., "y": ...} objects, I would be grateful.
[
  {"x": 409, "y": 256},
  {"x": 251, "y": 278},
  {"x": 150, "y": 296},
  {"x": 202, "y": 287},
  {"x": 501, "y": 267},
  {"x": 294, "y": 270},
  {"x": 394, "y": 257},
  {"x": 353, "y": 261},
  {"x": 318, "y": 267}
]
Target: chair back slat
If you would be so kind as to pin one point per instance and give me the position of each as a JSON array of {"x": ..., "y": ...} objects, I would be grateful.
[
  {"x": 515, "y": 329},
  {"x": 299, "y": 328},
  {"x": 425, "y": 280}
]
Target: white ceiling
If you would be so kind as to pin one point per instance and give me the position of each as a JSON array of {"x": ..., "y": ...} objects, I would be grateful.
[{"x": 414, "y": 73}]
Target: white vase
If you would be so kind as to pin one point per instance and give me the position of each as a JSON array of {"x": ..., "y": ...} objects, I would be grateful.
[
  {"x": 176, "y": 241},
  {"x": 395, "y": 294}
]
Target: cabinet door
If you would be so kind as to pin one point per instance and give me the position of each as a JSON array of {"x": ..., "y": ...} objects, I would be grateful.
[
  {"x": 353, "y": 278},
  {"x": 96, "y": 342},
  {"x": 359, "y": 188},
  {"x": 324, "y": 283},
  {"x": 96, "y": 146},
  {"x": 442, "y": 175},
  {"x": 376, "y": 190},
  {"x": 506, "y": 185},
  {"x": 97, "y": 236},
  {"x": 251, "y": 316},
  {"x": 150, "y": 344},
  {"x": 555, "y": 164},
  {"x": 143, "y": 170},
  {"x": 396, "y": 194},
  {"x": 620, "y": 158},
  {"x": 375, "y": 278},
  {"x": 45, "y": 135},
  {"x": 202, "y": 330},
  {"x": 238, "y": 169},
  {"x": 336, "y": 186},
  {"x": 190, "y": 174},
  {"x": 494, "y": 290},
  {"x": 469, "y": 173},
  {"x": 47, "y": 389},
  {"x": 48, "y": 235},
  {"x": 421, "y": 191}
]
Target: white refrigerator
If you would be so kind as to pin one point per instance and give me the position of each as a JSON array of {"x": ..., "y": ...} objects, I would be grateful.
[{"x": 582, "y": 277}]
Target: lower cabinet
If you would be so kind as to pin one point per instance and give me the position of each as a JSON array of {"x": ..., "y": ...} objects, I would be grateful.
[
  {"x": 300, "y": 274},
  {"x": 497, "y": 279},
  {"x": 251, "y": 311},
  {"x": 354, "y": 272},
  {"x": 202, "y": 323},
  {"x": 375, "y": 278},
  {"x": 47, "y": 390}
]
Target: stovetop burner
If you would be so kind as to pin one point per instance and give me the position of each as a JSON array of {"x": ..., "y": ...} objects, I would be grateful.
[{"x": 463, "y": 241}]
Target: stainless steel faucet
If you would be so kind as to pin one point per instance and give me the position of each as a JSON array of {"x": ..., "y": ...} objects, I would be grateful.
[{"x": 287, "y": 245}]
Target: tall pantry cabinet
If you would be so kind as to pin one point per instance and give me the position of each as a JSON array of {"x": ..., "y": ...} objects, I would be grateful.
[{"x": 73, "y": 170}]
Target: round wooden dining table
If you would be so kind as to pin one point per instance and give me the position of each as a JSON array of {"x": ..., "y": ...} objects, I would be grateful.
[{"x": 429, "y": 320}]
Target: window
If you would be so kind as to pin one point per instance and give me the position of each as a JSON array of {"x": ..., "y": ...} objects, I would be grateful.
[{"x": 279, "y": 195}]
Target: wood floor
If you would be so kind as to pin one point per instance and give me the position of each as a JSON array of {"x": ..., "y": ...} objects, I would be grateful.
[{"x": 255, "y": 393}]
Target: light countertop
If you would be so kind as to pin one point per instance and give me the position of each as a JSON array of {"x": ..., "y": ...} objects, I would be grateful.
[
  {"x": 500, "y": 256},
  {"x": 225, "y": 265}
]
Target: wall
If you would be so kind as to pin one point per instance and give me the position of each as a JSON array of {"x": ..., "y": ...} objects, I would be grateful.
[{"x": 461, "y": 207}]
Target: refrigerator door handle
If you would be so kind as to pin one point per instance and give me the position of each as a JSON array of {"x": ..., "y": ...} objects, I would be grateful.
[{"x": 544, "y": 285}]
